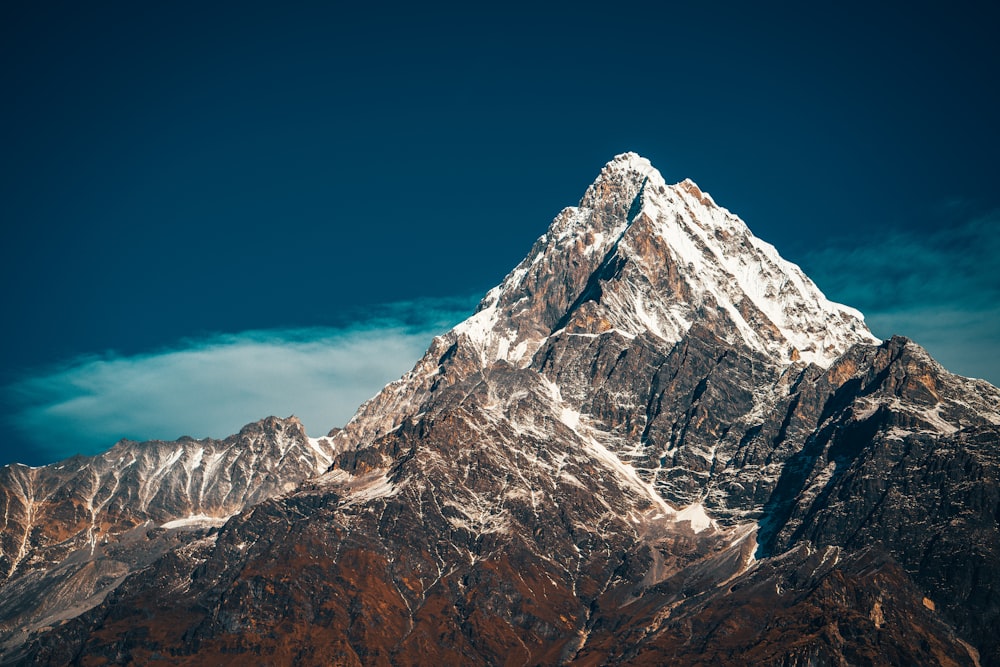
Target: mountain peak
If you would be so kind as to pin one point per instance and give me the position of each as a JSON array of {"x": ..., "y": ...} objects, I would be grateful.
[
  {"x": 616, "y": 188},
  {"x": 648, "y": 257},
  {"x": 630, "y": 161}
]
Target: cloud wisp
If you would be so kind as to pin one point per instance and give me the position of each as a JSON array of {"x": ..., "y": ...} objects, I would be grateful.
[
  {"x": 211, "y": 387},
  {"x": 940, "y": 289}
]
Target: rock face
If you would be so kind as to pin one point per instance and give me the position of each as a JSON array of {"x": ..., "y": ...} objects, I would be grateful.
[{"x": 656, "y": 441}]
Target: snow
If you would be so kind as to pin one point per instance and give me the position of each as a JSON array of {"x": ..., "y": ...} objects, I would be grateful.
[
  {"x": 489, "y": 331},
  {"x": 363, "y": 488},
  {"x": 172, "y": 460},
  {"x": 481, "y": 517},
  {"x": 379, "y": 488},
  {"x": 324, "y": 457},
  {"x": 570, "y": 417},
  {"x": 596, "y": 244},
  {"x": 633, "y": 162},
  {"x": 196, "y": 520},
  {"x": 933, "y": 417},
  {"x": 150, "y": 485},
  {"x": 490, "y": 340},
  {"x": 720, "y": 258},
  {"x": 696, "y": 515},
  {"x": 626, "y": 473},
  {"x": 198, "y": 456},
  {"x": 571, "y": 479}
]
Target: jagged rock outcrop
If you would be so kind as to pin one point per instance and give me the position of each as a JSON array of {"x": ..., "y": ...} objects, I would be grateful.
[{"x": 654, "y": 441}]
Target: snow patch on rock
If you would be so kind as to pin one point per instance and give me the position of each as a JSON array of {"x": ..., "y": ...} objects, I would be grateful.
[{"x": 195, "y": 520}]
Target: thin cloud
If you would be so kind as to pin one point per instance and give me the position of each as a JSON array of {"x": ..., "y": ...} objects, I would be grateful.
[
  {"x": 211, "y": 387},
  {"x": 940, "y": 289}
]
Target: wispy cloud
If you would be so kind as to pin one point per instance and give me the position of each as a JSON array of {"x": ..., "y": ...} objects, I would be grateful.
[
  {"x": 213, "y": 386},
  {"x": 941, "y": 289}
]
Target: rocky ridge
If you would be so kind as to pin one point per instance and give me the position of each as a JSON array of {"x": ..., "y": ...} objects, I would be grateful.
[{"x": 74, "y": 530}]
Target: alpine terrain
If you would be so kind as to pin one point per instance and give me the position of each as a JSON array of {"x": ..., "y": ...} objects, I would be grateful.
[{"x": 655, "y": 442}]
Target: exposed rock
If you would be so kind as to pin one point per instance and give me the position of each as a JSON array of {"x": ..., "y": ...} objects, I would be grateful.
[{"x": 74, "y": 530}]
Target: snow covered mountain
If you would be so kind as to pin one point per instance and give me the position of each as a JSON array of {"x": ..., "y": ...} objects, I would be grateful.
[{"x": 654, "y": 440}]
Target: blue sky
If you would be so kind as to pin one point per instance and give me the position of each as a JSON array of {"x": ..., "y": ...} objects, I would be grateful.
[{"x": 185, "y": 186}]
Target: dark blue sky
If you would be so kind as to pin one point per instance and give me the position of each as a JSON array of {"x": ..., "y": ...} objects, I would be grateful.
[{"x": 175, "y": 172}]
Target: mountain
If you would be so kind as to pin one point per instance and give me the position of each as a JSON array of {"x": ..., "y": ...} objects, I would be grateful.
[
  {"x": 655, "y": 441},
  {"x": 74, "y": 530}
]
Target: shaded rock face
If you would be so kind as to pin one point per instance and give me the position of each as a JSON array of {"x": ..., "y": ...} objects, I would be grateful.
[{"x": 655, "y": 441}]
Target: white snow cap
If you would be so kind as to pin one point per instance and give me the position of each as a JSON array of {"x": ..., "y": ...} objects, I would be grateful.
[
  {"x": 773, "y": 306},
  {"x": 723, "y": 261},
  {"x": 632, "y": 162}
]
